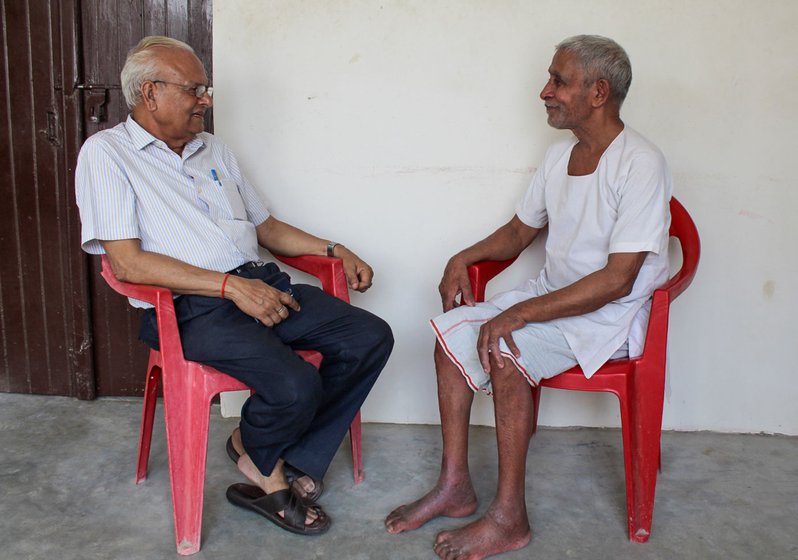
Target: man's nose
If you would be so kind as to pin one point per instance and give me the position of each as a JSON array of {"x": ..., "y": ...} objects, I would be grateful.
[
  {"x": 206, "y": 100},
  {"x": 546, "y": 91}
]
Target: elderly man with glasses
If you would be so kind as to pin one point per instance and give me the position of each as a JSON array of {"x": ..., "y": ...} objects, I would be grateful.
[{"x": 169, "y": 204}]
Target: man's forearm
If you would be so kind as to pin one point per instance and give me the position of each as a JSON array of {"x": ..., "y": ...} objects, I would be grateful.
[
  {"x": 284, "y": 239},
  {"x": 507, "y": 242},
  {"x": 131, "y": 264},
  {"x": 592, "y": 292}
]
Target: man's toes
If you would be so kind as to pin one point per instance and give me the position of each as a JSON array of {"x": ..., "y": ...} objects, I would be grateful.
[
  {"x": 307, "y": 484},
  {"x": 444, "y": 550},
  {"x": 442, "y": 538},
  {"x": 395, "y": 515},
  {"x": 392, "y": 523}
]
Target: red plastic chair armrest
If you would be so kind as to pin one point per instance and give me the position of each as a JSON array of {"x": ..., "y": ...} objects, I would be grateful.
[
  {"x": 329, "y": 270},
  {"x": 482, "y": 272},
  {"x": 160, "y": 298},
  {"x": 142, "y": 292}
]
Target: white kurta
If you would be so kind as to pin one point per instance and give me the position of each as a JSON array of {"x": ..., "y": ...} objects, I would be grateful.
[{"x": 622, "y": 207}]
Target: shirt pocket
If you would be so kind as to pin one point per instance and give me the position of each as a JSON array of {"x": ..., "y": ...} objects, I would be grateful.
[{"x": 233, "y": 197}]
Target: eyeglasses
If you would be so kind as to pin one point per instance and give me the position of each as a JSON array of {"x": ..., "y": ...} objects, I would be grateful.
[{"x": 197, "y": 91}]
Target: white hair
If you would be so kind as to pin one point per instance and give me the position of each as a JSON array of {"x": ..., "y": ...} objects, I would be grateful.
[
  {"x": 602, "y": 58},
  {"x": 141, "y": 65}
]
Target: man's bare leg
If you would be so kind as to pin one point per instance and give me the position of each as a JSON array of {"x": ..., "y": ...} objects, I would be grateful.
[
  {"x": 505, "y": 525},
  {"x": 453, "y": 494}
]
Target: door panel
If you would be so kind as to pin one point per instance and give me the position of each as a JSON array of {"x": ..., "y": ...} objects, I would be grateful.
[
  {"x": 62, "y": 331},
  {"x": 42, "y": 335}
]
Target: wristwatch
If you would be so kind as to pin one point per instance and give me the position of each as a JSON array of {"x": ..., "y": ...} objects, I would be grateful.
[{"x": 331, "y": 247}]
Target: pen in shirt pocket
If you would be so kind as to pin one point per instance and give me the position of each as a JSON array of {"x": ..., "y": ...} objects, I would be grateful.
[{"x": 215, "y": 177}]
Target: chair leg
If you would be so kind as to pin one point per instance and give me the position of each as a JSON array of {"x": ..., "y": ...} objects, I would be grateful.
[
  {"x": 645, "y": 411},
  {"x": 186, "y": 411},
  {"x": 628, "y": 458},
  {"x": 147, "y": 418},
  {"x": 357, "y": 450}
]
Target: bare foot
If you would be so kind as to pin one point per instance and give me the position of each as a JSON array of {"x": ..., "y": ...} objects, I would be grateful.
[
  {"x": 454, "y": 500},
  {"x": 492, "y": 534}
]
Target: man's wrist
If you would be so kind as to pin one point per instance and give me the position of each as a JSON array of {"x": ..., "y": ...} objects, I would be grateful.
[
  {"x": 331, "y": 245},
  {"x": 458, "y": 261},
  {"x": 224, "y": 284}
]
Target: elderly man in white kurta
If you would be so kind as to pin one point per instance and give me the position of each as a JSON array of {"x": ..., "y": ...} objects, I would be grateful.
[{"x": 603, "y": 195}]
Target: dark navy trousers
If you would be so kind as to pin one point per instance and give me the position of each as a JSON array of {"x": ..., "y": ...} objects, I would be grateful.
[{"x": 297, "y": 412}]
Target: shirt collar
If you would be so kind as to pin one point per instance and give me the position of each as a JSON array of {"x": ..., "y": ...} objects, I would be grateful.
[{"x": 141, "y": 138}]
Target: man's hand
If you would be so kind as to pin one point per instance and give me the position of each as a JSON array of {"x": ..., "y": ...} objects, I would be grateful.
[
  {"x": 259, "y": 300},
  {"x": 455, "y": 282},
  {"x": 501, "y": 326},
  {"x": 284, "y": 239},
  {"x": 359, "y": 274}
]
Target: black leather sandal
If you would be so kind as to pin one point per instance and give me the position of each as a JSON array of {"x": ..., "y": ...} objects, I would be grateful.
[
  {"x": 294, "y": 510},
  {"x": 292, "y": 474}
]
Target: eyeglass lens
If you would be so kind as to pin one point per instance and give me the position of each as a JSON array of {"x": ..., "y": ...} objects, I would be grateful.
[{"x": 202, "y": 90}]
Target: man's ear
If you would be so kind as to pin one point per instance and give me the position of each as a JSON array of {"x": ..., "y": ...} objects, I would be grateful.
[
  {"x": 148, "y": 95},
  {"x": 601, "y": 92}
]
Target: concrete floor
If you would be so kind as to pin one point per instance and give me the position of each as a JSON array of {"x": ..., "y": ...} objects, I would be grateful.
[{"x": 66, "y": 491}]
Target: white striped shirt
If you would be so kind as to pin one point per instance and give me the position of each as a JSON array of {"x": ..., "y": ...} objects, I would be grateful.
[{"x": 130, "y": 185}]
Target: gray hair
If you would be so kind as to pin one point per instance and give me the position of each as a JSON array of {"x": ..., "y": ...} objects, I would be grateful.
[
  {"x": 141, "y": 65},
  {"x": 602, "y": 58}
]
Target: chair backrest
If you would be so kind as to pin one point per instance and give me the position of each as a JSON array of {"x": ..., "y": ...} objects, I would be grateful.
[{"x": 683, "y": 228}]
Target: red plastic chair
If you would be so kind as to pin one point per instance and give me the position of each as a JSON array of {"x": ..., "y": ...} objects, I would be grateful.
[
  {"x": 188, "y": 388},
  {"x": 639, "y": 383}
]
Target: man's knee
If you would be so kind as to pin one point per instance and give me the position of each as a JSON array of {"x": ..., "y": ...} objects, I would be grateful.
[
  {"x": 507, "y": 379},
  {"x": 442, "y": 359},
  {"x": 368, "y": 339},
  {"x": 445, "y": 369},
  {"x": 377, "y": 335}
]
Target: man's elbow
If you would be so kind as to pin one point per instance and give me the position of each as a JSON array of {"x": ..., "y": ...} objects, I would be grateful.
[
  {"x": 124, "y": 257},
  {"x": 623, "y": 287},
  {"x": 122, "y": 272},
  {"x": 622, "y": 273},
  {"x": 626, "y": 289},
  {"x": 125, "y": 269}
]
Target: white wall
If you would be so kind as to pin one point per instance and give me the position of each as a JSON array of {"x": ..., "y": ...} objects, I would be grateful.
[{"x": 408, "y": 129}]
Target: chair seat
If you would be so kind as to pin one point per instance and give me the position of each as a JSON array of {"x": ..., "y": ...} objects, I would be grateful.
[{"x": 614, "y": 371}]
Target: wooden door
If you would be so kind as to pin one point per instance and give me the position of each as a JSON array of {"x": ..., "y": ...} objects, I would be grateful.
[{"x": 64, "y": 331}]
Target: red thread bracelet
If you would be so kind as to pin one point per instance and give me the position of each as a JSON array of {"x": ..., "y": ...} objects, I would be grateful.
[{"x": 226, "y": 276}]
